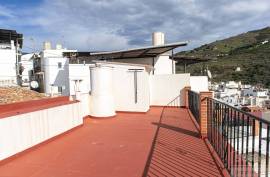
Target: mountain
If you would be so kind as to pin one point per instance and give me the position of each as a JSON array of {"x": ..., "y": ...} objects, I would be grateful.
[{"x": 245, "y": 57}]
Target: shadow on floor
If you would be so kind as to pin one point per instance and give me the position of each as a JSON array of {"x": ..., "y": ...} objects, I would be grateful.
[{"x": 177, "y": 149}]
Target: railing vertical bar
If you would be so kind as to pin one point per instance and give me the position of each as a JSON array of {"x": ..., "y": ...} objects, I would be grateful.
[
  {"x": 218, "y": 131},
  {"x": 253, "y": 145},
  {"x": 226, "y": 136},
  {"x": 267, "y": 151},
  {"x": 260, "y": 147},
  {"x": 221, "y": 133},
  {"x": 225, "y": 131},
  {"x": 237, "y": 151},
  {"x": 242, "y": 143},
  {"x": 215, "y": 126},
  {"x": 231, "y": 140},
  {"x": 246, "y": 167},
  {"x": 234, "y": 147}
]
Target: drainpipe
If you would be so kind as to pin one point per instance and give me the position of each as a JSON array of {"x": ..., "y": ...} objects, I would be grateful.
[{"x": 173, "y": 62}]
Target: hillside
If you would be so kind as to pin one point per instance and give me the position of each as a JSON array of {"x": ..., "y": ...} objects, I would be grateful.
[{"x": 249, "y": 51}]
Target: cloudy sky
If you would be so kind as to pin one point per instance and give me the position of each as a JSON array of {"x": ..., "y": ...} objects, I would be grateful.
[{"x": 91, "y": 25}]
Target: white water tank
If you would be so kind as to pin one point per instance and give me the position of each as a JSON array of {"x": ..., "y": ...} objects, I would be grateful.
[
  {"x": 102, "y": 100},
  {"x": 158, "y": 38}
]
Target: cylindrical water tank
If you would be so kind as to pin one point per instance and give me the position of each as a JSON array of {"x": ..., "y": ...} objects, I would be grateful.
[
  {"x": 158, "y": 38},
  {"x": 102, "y": 100}
]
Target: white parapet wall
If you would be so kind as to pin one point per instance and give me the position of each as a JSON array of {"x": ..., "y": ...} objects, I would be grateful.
[
  {"x": 199, "y": 83},
  {"x": 165, "y": 88},
  {"x": 124, "y": 88},
  {"x": 79, "y": 80},
  {"x": 23, "y": 131}
]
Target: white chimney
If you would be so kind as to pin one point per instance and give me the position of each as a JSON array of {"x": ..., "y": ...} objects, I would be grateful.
[
  {"x": 158, "y": 38},
  {"x": 47, "y": 45}
]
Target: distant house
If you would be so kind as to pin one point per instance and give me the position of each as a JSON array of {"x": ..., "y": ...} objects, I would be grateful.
[{"x": 10, "y": 45}]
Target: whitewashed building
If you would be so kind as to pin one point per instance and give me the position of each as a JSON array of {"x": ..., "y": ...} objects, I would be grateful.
[
  {"x": 26, "y": 65},
  {"x": 10, "y": 45},
  {"x": 56, "y": 70}
]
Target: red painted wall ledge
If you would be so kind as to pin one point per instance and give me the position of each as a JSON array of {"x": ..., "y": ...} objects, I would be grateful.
[{"x": 23, "y": 107}]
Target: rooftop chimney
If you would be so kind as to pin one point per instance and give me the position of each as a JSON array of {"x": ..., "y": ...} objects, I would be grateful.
[
  {"x": 158, "y": 38},
  {"x": 47, "y": 45}
]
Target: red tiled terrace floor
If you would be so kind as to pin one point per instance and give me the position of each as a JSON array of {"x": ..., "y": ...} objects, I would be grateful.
[{"x": 121, "y": 146}]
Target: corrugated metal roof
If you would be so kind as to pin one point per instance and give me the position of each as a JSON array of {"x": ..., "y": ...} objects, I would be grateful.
[{"x": 143, "y": 52}]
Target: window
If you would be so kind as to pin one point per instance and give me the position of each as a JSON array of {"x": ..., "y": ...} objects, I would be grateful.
[
  {"x": 59, "y": 65},
  {"x": 60, "y": 89}
]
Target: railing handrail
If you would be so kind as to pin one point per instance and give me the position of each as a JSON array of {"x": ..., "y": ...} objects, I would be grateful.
[
  {"x": 241, "y": 111},
  {"x": 179, "y": 96}
]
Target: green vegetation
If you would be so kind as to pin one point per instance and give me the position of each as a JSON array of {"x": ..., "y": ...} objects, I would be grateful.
[{"x": 249, "y": 51}]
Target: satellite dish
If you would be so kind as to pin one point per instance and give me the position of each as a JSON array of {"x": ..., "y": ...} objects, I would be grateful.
[{"x": 34, "y": 84}]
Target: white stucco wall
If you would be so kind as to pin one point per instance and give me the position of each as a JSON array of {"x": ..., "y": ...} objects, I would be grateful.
[
  {"x": 81, "y": 72},
  {"x": 8, "y": 67},
  {"x": 84, "y": 99},
  {"x": 20, "y": 132},
  {"x": 123, "y": 89},
  {"x": 164, "y": 65},
  {"x": 199, "y": 83},
  {"x": 164, "y": 88},
  {"x": 27, "y": 63}
]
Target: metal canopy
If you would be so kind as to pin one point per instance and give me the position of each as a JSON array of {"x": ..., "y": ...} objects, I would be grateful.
[
  {"x": 144, "y": 52},
  {"x": 189, "y": 60},
  {"x": 7, "y": 35}
]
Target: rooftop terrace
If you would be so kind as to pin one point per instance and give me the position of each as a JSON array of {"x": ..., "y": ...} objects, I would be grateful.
[{"x": 131, "y": 144}]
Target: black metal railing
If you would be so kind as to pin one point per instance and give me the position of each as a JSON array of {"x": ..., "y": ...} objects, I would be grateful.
[
  {"x": 240, "y": 139},
  {"x": 194, "y": 104}
]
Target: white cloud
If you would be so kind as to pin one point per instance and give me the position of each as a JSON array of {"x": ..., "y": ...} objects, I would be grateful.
[
  {"x": 5, "y": 12},
  {"x": 248, "y": 6}
]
